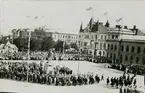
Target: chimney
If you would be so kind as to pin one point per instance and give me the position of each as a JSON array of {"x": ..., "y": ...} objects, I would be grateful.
[
  {"x": 134, "y": 27},
  {"x": 118, "y": 26},
  {"x": 136, "y": 31},
  {"x": 125, "y": 27}
]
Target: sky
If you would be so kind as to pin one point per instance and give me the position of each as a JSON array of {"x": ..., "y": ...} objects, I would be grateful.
[{"x": 67, "y": 16}]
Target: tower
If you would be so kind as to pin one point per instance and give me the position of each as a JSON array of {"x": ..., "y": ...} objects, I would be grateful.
[
  {"x": 107, "y": 24},
  {"x": 81, "y": 28}
]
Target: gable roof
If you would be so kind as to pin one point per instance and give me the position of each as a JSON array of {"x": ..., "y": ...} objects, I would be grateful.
[{"x": 8, "y": 45}]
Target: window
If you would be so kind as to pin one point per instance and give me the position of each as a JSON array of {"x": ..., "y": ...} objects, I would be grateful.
[
  {"x": 96, "y": 37},
  {"x": 103, "y": 53},
  {"x": 104, "y": 46},
  {"x": 114, "y": 56},
  {"x": 100, "y": 53},
  {"x": 108, "y": 46},
  {"x": 144, "y": 51},
  {"x": 105, "y": 37},
  {"x": 138, "y": 50},
  {"x": 112, "y": 36},
  {"x": 137, "y": 59},
  {"x": 127, "y": 48},
  {"x": 115, "y": 48},
  {"x": 122, "y": 47},
  {"x": 126, "y": 57},
  {"x": 100, "y": 45},
  {"x": 131, "y": 57},
  {"x": 111, "y": 46},
  {"x": 143, "y": 61},
  {"x": 107, "y": 54},
  {"x": 86, "y": 36},
  {"x": 111, "y": 55},
  {"x": 85, "y": 43},
  {"x": 132, "y": 49},
  {"x": 108, "y": 36},
  {"x": 116, "y": 36},
  {"x": 101, "y": 37}
]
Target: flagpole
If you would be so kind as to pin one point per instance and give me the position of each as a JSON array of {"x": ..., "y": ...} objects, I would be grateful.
[
  {"x": 28, "y": 54},
  {"x": 78, "y": 63},
  {"x": 92, "y": 12},
  {"x": 63, "y": 46}
]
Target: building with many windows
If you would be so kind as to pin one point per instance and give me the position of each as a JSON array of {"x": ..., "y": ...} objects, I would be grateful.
[
  {"x": 104, "y": 41},
  {"x": 132, "y": 49},
  {"x": 93, "y": 39},
  {"x": 67, "y": 38}
]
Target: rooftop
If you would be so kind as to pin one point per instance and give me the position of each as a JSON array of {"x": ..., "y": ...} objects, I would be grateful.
[{"x": 133, "y": 38}]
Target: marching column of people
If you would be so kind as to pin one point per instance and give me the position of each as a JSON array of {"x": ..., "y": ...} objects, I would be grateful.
[{"x": 60, "y": 76}]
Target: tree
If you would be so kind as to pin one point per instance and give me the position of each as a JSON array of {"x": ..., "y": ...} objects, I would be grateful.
[
  {"x": 74, "y": 45},
  {"x": 39, "y": 32},
  {"x": 21, "y": 43},
  {"x": 66, "y": 46},
  {"x": 58, "y": 45},
  {"x": 35, "y": 44},
  {"x": 47, "y": 43}
]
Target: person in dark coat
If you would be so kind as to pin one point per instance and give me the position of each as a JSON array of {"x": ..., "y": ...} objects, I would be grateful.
[
  {"x": 108, "y": 80},
  {"x": 134, "y": 82},
  {"x": 102, "y": 78}
]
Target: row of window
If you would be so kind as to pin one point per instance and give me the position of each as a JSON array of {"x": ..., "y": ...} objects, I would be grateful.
[
  {"x": 123, "y": 48},
  {"x": 132, "y": 49},
  {"x": 112, "y": 56},
  {"x": 126, "y": 57},
  {"x": 112, "y": 47},
  {"x": 130, "y": 58},
  {"x": 62, "y": 36},
  {"x": 112, "y": 36},
  {"x": 101, "y": 37}
]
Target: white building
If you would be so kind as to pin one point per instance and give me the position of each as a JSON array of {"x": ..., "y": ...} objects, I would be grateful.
[
  {"x": 8, "y": 47},
  {"x": 67, "y": 38}
]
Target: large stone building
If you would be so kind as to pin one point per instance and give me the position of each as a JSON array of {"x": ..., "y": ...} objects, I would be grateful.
[
  {"x": 93, "y": 38},
  {"x": 104, "y": 41},
  {"x": 132, "y": 49},
  {"x": 67, "y": 38}
]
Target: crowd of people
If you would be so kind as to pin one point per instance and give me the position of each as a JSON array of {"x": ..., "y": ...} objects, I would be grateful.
[
  {"x": 40, "y": 56},
  {"x": 121, "y": 81},
  {"x": 59, "y": 75},
  {"x": 132, "y": 68},
  {"x": 37, "y": 73}
]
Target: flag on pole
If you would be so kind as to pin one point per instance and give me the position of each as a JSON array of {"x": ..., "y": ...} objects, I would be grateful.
[
  {"x": 88, "y": 9},
  {"x": 27, "y": 16},
  {"x": 118, "y": 20},
  {"x": 105, "y": 13},
  {"x": 36, "y": 17}
]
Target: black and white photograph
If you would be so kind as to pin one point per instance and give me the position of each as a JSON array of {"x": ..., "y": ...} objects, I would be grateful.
[{"x": 70, "y": 46}]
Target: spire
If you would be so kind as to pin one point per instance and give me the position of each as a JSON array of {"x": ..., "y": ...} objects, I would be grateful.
[
  {"x": 81, "y": 28},
  {"x": 91, "y": 23},
  {"x": 107, "y": 24}
]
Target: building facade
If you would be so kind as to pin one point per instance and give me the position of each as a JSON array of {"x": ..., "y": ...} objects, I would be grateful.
[
  {"x": 67, "y": 38},
  {"x": 8, "y": 48},
  {"x": 106, "y": 42},
  {"x": 133, "y": 49}
]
